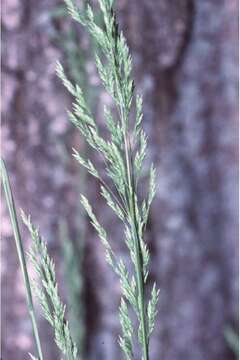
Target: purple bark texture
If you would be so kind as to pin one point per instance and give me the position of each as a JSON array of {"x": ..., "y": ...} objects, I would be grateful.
[{"x": 185, "y": 63}]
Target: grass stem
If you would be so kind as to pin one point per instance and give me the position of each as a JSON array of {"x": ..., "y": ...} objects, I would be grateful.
[{"x": 21, "y": 255}]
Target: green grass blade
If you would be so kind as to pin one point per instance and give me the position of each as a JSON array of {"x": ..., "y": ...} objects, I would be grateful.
[{"x": 21, "y": 255}]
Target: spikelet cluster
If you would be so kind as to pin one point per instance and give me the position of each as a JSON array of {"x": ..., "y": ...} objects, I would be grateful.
[{"x": 46, "y": 291}]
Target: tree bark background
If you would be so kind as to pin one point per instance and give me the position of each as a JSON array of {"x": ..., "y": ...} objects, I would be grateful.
[{"x": 186, "y": 67}]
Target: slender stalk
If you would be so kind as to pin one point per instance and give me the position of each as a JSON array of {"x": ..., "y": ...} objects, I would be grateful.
[
  {"x": 140, "y": 286},
  {"x": 21, "y": 256},
  {"x": 132, "y": 212},
  {"x": 139, "y": 268}
]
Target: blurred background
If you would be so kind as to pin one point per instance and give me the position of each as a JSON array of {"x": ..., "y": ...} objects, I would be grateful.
[{"x": 185, "y": 66}]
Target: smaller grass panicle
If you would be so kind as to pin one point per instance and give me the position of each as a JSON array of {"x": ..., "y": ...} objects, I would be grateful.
[
  {"x": 21, "y": 255},
  {"x": 123, "y": 156},
  {"x": 47, "y": 292}
]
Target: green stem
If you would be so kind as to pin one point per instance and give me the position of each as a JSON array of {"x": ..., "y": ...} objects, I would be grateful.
[
  {"x": 20, "y": 251},
  {"x": 139, "y": 267}
]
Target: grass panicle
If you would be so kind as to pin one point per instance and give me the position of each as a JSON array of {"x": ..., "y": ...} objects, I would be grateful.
[
  {"x": 46, "y": 291},
  {"x": 123, "y": 156}
]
